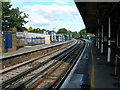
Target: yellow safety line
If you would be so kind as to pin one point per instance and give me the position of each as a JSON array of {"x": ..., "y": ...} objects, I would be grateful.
[{"x": 92, "y": 72}]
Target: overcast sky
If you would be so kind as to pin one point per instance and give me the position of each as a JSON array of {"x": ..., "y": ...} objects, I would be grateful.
[{"x": 49, "y": 14}]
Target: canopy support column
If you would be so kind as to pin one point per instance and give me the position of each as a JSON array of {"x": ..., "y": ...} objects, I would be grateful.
[
  {"x": 102, "y": 40},
  {"x": 98, "y": 39},
  {"x": 109, "y": 40}
]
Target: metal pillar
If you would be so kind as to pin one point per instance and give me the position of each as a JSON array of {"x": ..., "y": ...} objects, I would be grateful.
[
  {"x": 102, "y": 39},
  {"x": 98, "y": 39},
  {"x": 109, "y": 41}
]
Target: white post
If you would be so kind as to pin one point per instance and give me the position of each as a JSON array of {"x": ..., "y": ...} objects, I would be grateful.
[
  {"x": 52, "y": 37},
  {"x": 98, "y": 39},
  {"x": 109, "y": 42},
  {"x": 102, "y": 40},
  {"x": 55, "y": 37}
]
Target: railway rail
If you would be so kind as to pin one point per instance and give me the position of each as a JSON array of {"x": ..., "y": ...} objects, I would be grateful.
[
  {"x": 49, "y": 74},
  {"x": 55, "y": 74},
  {"x": 9, "y": 59},
  {"x": 27, "y": 70}
]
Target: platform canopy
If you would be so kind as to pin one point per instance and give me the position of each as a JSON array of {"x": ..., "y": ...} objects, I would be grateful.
[{"x": 95, "y": 13}]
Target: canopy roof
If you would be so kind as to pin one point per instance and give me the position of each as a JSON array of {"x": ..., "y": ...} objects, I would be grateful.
[{"x": 94, "y": 13}]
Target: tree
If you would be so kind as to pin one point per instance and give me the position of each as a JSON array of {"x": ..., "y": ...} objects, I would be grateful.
[
  {"x": 38, "y": 30},
  {"x": 24, "y": 29},
  {"x": 62, "y": 31},
  {"x": 69, "y": 32},
  {"x": 90, "y": 35},
  {"x": 53, "y": 31},
  {"x": 83, "y": 33},
  {"x": 75, "y": 34},
  {"x": 5, "y": 14},
  {"x": 43, "y": 30},
  {"x": 12, "y": 17},
  {"x": 30, "y": 29}
]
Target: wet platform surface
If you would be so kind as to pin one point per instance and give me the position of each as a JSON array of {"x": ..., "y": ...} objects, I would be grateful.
[{"x": 96, "y": 71}]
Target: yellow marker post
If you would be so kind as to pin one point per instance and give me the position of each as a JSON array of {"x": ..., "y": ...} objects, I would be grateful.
[{"x": 116, "y": 63}]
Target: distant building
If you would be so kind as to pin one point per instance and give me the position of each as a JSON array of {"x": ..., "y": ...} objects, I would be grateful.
[{"x": 60, "y": 37}]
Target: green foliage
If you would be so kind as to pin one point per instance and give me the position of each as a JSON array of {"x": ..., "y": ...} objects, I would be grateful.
[
  {"x": 70, "y": 32},
  {"x": 67, "y": 32},
  {"x": 83, "y": 33},
  {"x": 36, "y": 30},
  {"x": 90, "y": 34},
  {"x": 13, "y": 17},
  {"x": 75, "y": 34},
  {"x": 24, "y": 29},
  {"x": 53, "y": 31},
  {"x": 30, "y": 29},
  {"x": 62, "y": 31},
  {"x": 43, "y": 30}
]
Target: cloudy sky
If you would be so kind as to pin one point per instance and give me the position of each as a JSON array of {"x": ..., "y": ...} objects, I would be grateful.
[{"x": 51, "y": 14}]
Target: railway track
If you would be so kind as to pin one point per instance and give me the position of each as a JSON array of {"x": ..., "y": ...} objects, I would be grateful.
[
  {"x": 48, "y": 75},
  {"x": 27, "y": 70},
  {"x": 53, "y": 76},
  {"x": 16, "y": 59}
]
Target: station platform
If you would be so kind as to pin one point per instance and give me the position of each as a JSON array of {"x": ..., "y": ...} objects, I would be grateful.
[
  {"x": 26, "y": 49},
  {"x": 93, "y": 70}
]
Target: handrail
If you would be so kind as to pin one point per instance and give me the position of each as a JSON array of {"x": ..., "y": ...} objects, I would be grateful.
[{"x": 116, "y": 63}]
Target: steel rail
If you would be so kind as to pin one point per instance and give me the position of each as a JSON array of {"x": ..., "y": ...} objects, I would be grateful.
[
  {"x": 48, "y": 74},
  {"x": 30, "y": 61},
  {"x": 9, "y": 81},
  {"x": 62, "y": 79},
  {"x": 64, "y": 54}
]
